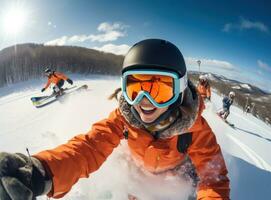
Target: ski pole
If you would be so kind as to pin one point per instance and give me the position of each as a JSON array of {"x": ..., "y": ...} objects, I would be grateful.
[{"x": 30, "y": 166}]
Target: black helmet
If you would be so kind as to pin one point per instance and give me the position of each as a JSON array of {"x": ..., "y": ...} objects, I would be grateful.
[
  {"x": 47, "y": 71},
  {"x": 155, "y": 54}
]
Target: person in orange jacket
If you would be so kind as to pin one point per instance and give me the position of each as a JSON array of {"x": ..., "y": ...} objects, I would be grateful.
[
  {"x": 159, "y": 114},
  {"x": 56, "y": 78},
  {"x": 204, "y": 87}
]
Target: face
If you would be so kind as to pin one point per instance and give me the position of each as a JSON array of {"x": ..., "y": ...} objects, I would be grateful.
[
  {"x": 148, "y": 112},
  {"x": 202, "y": 81},
  {"x": 48, "y": 74}
]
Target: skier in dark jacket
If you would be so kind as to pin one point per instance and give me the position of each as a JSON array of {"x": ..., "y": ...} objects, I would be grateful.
[
  {"x": 227, "y": 102},
  {"x": 247, "y": 109}
]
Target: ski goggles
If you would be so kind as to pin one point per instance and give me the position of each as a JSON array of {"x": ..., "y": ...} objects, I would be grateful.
[{"x": 161, "y": 88}]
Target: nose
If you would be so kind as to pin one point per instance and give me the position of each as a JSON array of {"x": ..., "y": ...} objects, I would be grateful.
[{"x": 145, "y": 102}]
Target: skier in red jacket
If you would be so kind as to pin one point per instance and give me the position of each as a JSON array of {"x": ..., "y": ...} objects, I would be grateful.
[{"x": 57, "y": 79}]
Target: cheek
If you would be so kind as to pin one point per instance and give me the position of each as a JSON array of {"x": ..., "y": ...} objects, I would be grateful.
[
  {"x": 161, "y": 110},
  {"x": 137, "y": 108}
]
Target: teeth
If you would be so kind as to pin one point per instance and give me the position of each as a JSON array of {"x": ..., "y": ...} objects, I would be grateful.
[{"x": 147, "y": 108}]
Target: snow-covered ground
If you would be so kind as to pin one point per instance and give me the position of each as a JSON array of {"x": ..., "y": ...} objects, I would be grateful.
[{"x": 246, "y": 147}]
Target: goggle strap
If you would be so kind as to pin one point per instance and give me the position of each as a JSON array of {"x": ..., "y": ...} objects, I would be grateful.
[{"x": 183, "y": 83}]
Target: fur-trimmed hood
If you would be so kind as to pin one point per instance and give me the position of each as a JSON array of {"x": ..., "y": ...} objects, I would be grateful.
[{"x": 189, "y": 111}]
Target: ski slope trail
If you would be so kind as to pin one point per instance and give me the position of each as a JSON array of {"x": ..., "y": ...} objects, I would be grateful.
[
  {"x": 246, "y": 147},
  {"x": 249, "y": 139}
]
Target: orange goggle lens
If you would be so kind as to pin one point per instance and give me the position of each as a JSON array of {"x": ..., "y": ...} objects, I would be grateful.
[{"x": 160, "y": 87}]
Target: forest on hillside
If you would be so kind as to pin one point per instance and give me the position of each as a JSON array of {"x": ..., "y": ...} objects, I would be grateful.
[{"x": 26, "y": 61}]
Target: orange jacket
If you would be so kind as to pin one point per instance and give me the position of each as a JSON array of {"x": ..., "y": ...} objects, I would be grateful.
[
  {"x": 84, "y": 154},
  {"x": 204, "y": 90},
  {"x": 55, "y": 78}
]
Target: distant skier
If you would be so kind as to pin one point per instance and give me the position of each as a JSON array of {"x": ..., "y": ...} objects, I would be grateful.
[
  {"x": 247, "y": 109},
  {"x": 204, "y": 87},
  {"x": 159, "y": 114},
  {"x": 227, "y": 102},
  {"x": 56, "y": 78}
]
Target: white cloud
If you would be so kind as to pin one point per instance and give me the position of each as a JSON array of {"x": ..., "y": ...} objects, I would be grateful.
[
  {"x": 264, "y": 65},
  {"x": 245, "y": 24},
  {"x": 78, "y": 38},
  {"x": 107, "y": 32},
  {"x": 106, "y": 37},
  {"x": 58, "y": 42},
  {"x": 64, "y": 40},
  {"x": 210, "y": 63},
  {"x": 107, "y": 27},
  {"x": 115, "y": 49}
]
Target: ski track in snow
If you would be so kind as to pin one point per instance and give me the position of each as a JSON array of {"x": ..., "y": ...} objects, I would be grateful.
[
  {"x": 252, "y": 154},
  {"x": 256, "y": 126},
  {"x": 16, "y": 98},
  {"x": 246, "y": 147}
]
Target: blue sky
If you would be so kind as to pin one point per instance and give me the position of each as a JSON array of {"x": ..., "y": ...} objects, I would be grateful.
[{"x": 232, "y": 38}]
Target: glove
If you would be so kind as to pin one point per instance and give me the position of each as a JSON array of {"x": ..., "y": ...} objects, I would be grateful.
[
  {"x": 43, "y": 89},
  {"x": 209, "y": 98},
  {"x": 69, "y": 81},
  {"x": 22, "y": 177}
]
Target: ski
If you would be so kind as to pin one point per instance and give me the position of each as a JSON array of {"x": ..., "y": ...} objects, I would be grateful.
[{"x": 42, "y": 101}]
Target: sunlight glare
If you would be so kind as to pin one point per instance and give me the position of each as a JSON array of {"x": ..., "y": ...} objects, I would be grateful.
[{"x": 14, "y": 21}]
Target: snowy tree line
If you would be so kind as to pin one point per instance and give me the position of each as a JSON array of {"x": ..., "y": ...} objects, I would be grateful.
[{"x": 26, "y": 61}]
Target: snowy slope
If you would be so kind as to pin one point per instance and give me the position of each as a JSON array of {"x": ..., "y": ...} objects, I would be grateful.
[
  {"x": 250, "y": 138},
  {"x": 246, "y": 148}
]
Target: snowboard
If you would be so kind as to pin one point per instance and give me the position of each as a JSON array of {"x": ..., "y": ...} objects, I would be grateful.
[
  {"x": 226, "y": 121},
  {"x": 42, "y": 101}
]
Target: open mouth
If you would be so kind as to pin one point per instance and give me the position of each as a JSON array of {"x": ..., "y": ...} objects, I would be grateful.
[{"x": 147, "y": 110}]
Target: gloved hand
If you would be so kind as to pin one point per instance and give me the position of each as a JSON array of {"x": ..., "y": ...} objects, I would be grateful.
[
  {"x": 43, "y": 89},
  {"x": 69, "y": 81},
  {"x": 209, "y": 98},
  {"x": 22, "y": 178}
]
